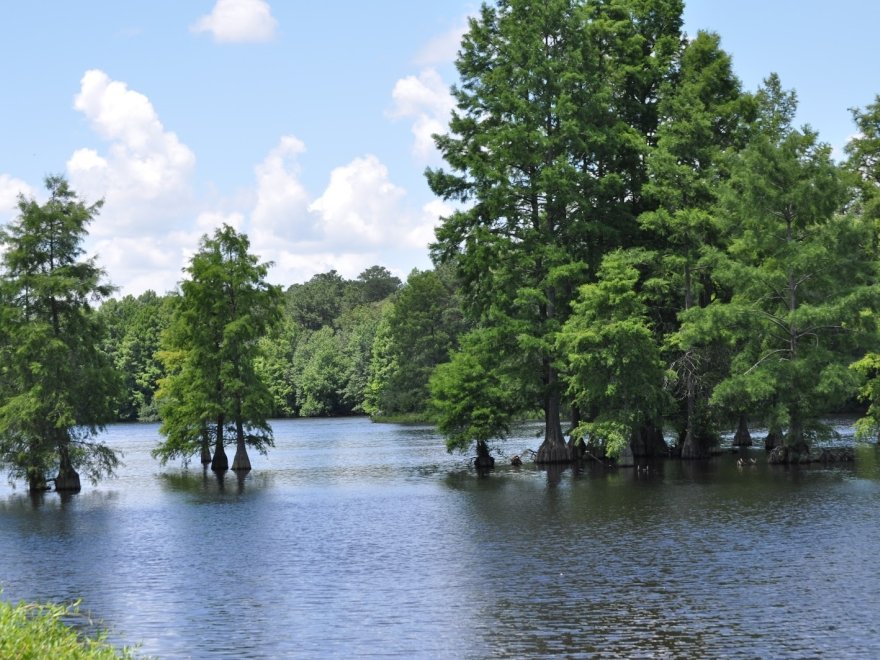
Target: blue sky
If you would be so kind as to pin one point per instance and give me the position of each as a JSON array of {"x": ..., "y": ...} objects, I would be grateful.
[{"x": 306, "y": 124}]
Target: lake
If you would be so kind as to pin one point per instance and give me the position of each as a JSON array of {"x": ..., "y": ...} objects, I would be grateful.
[{"x": 360, "y": 539}]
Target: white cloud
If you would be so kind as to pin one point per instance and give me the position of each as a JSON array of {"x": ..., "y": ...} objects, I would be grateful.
[
  {"x": 10, "y": 188},
  {"x": 421, "y": 235},
  {"x": 144, "y": 176},
  {"x": 136, "y": 264},
  {"x": 208, "y": 221},
  {"x": 281, "y": 197},
  {"x": 239, "y": 21},
  {"x": 443, "y": 48},
  {"x": 360, "y": 204},
  {"x": 426, "y": 99}
]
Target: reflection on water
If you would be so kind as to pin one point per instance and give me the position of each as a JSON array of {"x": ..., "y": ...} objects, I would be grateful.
[{"x": 353, "y": 538}]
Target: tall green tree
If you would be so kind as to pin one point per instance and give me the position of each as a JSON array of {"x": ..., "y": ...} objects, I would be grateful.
[
  {"x": 57, "y": 387},
  {"x": 863, "y": 161},
  {"x": 556, "y": 111},
  {"x": 418, "y": 329},
  {"x": 799, "y": 273},
  {"x": 475, "y": 396},
  {"x": 863, "y": 152},
  {"x": 225, "y": 307},
  {"x": 703, "y": 117},
  {"x": 611, "y": 346},
  {"x": 374, "y": 284}
]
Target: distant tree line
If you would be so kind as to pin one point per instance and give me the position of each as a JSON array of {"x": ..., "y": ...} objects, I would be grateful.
[{"x": 340, "y": 346}]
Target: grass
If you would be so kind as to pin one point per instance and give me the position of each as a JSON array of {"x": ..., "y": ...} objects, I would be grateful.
[{"x": 31, "y": 630}]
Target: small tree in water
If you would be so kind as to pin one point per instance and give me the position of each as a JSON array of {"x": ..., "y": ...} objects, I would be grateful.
[
  {"x": 57, "y": 388},
  {"x": 210, "y": 348}
]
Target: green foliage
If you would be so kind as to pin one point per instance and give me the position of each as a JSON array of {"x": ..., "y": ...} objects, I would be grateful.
[
  {"x": 556, "y": 112},
  {"x": 318, "y": 302},
  {"x": 357, "y": 333},
  {"x": 416, "y": 333},
  {"x": 36, "y": 631},
  {"x": 799, "y": 274},
  {"x": 319, "y": 373},
  {"x": 57, "y": 387},
  {"x": 211, "y": 348},
  {"x": 473, "y": 399},
  {"x": 374, "y": 285},
  {"x": 612, "y": 354},
  {"x": 134, "y": 329},
  {"x": 868, "y": 369},
  {"x": 274, "y": 365},
  {"x": 864, "y": 159}
]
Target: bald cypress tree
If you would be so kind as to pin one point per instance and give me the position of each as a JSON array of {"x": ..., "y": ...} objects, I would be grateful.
[
  {"x": 556, "y": 111},
  {"x": 213, "y": 387},
  {"x": 57, "y": 388}
]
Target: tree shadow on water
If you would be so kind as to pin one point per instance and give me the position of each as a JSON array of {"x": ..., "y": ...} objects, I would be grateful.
[{"x": 207, "y": 485}]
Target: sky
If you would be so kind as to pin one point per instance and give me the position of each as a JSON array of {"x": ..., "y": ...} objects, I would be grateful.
[{"x": 307, "y": 125}]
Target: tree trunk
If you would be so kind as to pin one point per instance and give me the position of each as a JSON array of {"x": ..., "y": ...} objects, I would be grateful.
[
  {"x": 68, "y": 478},
  {"x": 36, "y": 480},
  {"x": 795, "y": 437},
  {"x": 553, "y": 449},
  {"x": 693, "y": 447},
  {"x": 773, "y": 439},
  {"x": 206, "y": 446},
  {"x": 648, "y": 442},
  {"x": 484, "y": 460},
  {"x": 742, "y": 437},
  {"x": 241, "y": 462},
  {"x": 220, "y": 462}
]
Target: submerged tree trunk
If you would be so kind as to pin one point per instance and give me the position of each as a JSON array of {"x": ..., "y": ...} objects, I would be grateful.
[
  {"x": 241, "y": 462},
  {"x": 484, "y": 460},
  {"x": 553, "y": 449},
  {"x": 68, "y": 478},
  {"x": 36, "y": 480},
  {"x": 795, "y": 437},
  {"x": 694, "y": 446},
  {"x": 773, "y": 440},
  {"x": 742, "y": 437},
  {"x": 206, "y": 446},
  {"x": 648, "y": 442},
  {"x": 220, "y": 462}
]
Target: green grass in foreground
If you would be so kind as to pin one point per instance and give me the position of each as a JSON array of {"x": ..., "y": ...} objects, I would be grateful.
[{"x": 38, "y": 631}]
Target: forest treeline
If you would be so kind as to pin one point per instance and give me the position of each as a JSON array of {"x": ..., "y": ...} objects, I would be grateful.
[
  {"x": 342, "y": 346},
  {"x": 640, "y": 252}
]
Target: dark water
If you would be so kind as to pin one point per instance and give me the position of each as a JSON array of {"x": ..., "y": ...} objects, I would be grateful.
[{"x": 359, "y": 539}]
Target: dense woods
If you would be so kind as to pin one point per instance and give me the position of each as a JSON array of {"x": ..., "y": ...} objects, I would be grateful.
[{"x": 642, "y": 254}]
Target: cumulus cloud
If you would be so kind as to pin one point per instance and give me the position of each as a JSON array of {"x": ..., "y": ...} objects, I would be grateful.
[
  {"x": 238, "y": 21},
  {"x": 10, "y": 188},
  {"x": 360, "y": 219},
  {"x": 421, "y": 234},
  {"x": 443, "y": 48},
  {"x": 360, "y": 204},
  {"x": 152, "y": 221},
  {"x": 136, "y": 264},
  {"x": 144, "y": 174},
  {"x": 281, "y": 197},
  {"x": 426, "y": 100}
]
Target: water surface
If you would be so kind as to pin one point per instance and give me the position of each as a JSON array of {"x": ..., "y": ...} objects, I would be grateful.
[{"x": 352, "y": 538}]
